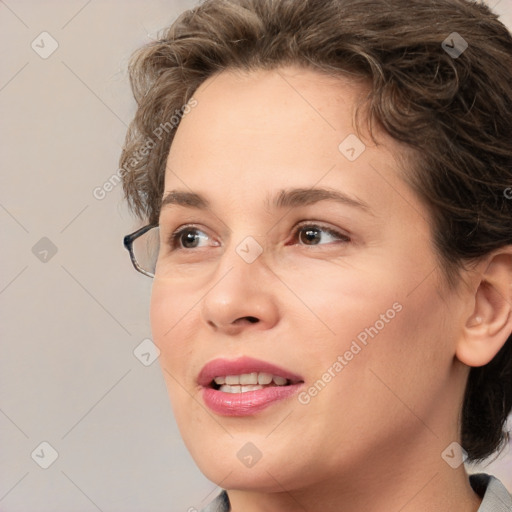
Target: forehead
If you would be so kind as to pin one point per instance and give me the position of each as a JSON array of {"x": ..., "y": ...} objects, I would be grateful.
[
  {"x": 253, "y": 113},
  {"x": 254, "y": 132}
]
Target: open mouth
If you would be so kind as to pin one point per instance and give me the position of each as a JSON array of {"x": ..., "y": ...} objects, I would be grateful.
[
  {"x": 245, "y": 382},
  {"x": 245, "y": 386}
]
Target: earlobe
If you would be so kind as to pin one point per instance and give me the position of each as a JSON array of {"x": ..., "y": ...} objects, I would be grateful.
[{"x": 489, "y": 324}]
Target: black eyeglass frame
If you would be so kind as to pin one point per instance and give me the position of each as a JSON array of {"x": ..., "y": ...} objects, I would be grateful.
[{"x": 128, "y": 243}]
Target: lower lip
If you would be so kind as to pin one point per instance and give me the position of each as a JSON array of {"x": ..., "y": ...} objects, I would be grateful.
[{"x": 248, "y": 403}]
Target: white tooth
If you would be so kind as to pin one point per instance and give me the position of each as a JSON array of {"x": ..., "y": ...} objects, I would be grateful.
[
  {"x": 226, "y": 388},
  {"x": 280, "y": 381},
  {"x": 264, "y": 378},
  {"x": 250, "y": 388},
  {"x": 230, "y": 389},
  {"x": 249, "y": 378},
  {"x": 232, "y": 379},
  {"x": 220, "y": 380}
]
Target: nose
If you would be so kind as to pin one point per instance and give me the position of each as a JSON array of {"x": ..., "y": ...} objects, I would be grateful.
[{"x": 241, "y": 297}]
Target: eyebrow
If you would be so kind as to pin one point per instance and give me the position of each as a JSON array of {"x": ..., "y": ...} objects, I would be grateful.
[{"x": 288, "y": 198}]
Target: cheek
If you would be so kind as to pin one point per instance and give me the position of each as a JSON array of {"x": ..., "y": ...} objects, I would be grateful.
[
  {"x": 380, "y": 326},
  {"x": 337, "y": 304},
  {"x": 404, "y": 358},
  {"x": 171, "y": 326}
]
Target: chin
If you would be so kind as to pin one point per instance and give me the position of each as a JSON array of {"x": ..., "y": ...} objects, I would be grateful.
[
  {"x": 236, "y": 463},
  {"x": 235, "y": 476}
]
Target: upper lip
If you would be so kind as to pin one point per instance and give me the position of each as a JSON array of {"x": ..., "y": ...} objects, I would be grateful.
[{"x": 222, "y": 367}]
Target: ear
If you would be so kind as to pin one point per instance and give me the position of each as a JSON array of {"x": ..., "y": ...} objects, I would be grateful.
[{"x": 489, "y": 323}]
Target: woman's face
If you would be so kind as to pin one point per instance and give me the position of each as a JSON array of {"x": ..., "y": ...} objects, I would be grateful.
[{"x": 307, "y": 252}]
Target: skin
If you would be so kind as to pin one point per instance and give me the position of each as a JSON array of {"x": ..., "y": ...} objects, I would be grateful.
[{"x": 372, "y": 439}]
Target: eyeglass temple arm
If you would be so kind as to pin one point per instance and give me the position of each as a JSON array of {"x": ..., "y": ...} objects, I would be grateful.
[{"x": 128, "y": 243}]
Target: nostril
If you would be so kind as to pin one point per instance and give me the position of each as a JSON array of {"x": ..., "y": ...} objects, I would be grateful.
[{"x": 250, "y": 319}]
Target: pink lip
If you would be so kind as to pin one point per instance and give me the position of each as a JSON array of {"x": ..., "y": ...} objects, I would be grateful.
[{"x": 248, "y": 403}]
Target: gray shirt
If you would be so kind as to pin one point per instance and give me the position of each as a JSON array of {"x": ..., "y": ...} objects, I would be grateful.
[{"x": 495, "y": 498}]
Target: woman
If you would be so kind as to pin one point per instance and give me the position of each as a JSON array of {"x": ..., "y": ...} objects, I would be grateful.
[{"x": 326, "y": 188}]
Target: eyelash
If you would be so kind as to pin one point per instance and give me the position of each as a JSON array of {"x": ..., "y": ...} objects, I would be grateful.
[{"x": 174, "y": 238}]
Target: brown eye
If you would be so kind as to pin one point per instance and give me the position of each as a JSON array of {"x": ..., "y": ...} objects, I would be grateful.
[
  {"x": 188, "y": 238},
  {"x": 311, "y": 234}
]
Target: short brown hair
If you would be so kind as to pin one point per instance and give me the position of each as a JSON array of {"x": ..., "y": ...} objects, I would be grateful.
[{"x": 453, "y": 111}]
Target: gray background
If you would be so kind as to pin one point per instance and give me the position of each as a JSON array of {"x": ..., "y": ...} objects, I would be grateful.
[{"x": 70, "y": 323}]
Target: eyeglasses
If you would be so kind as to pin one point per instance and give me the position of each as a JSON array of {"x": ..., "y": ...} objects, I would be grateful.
[{"x": 143, "y": 246}]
